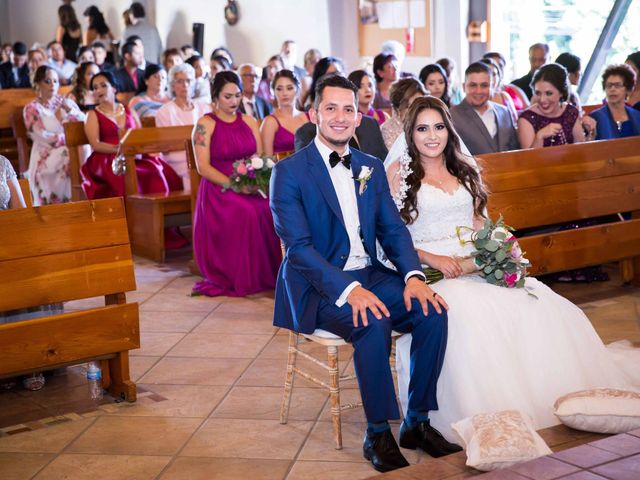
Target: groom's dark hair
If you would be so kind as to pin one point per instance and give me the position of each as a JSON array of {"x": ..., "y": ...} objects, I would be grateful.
[{"x": 334, "y": 80}]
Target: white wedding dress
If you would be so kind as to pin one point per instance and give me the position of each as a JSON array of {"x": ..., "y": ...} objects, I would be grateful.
[{"x": 506, "y": 349}]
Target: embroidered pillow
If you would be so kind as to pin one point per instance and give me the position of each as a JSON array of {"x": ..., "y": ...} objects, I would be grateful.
[
  {"x": 499, "y": 440},
  {"x": 601, "y": 410}
]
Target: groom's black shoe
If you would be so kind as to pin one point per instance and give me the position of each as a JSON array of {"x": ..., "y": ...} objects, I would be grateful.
[
  {"x": 382, "y": 451},
  {"x": 422, "y": 435}
]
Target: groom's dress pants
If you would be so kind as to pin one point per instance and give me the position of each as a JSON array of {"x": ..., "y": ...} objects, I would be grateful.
[{"x": 372, "y": 345}]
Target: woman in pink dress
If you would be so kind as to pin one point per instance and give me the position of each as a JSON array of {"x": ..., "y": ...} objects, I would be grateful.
[
  {"x": 366, "y": 94},
  {"x": 234, "y": 240},
  {"x": 278, "y": 129},
  {"x": 105, "y": 126}
]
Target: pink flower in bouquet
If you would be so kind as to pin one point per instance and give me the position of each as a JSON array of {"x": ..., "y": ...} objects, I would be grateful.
[
  {"x": 516, "y": 251},
  {"x": 511, "y": 279},
  {"x": 241, "y": 168}
]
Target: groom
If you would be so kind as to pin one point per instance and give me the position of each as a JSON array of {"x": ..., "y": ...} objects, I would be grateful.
[{"x": 330, "y": 204}]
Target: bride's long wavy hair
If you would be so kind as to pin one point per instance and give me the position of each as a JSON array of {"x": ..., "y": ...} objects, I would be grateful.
[{"x": 455, "y": 162}]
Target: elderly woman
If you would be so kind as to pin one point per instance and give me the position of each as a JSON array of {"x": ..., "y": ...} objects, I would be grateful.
[
  {"x": 147, "y": 103},
  {"x": 182, "y": 110},
  {"x": 615, "y": 119},
  {"x": 402, "y": 95},
  {"x": 48, "y": 171}
]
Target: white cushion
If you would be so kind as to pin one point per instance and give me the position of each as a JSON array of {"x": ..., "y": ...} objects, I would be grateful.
[
  {"x": 499, "y": 440},
  {"x": 601, "y": 410}
]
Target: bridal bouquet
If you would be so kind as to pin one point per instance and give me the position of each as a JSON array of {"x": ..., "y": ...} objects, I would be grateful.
[
  {"x": 251, "y": 172},
  {"x": 497, "y": 256}
]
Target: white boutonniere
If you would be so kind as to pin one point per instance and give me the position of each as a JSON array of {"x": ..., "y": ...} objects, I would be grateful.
[{"x": 364, "y": 177}]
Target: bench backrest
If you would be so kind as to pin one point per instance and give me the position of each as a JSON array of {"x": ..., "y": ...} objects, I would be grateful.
[
  {"x": 58, "y": 253},
  {"x": 18, "y": 97},
  {"x": 76, "y": 138},
  {"x": 22, "y": 139},
  {"x": 587, "y": 109},
  {"x": 26, "y": 192}
]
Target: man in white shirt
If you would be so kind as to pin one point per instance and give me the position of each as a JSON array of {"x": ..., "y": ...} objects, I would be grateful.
[
  {"x": 330, "y": 205},
  {"x": 251, "y": 104},
  {"x": 60, "y": 64},
  {"x": 483, "y": 125}
]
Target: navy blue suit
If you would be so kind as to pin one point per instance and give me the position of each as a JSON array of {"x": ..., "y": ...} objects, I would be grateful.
[{"x": 309, "y": 221}]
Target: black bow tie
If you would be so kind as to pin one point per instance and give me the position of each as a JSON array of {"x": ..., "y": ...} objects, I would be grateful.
[{"x": 335, "y": 159}]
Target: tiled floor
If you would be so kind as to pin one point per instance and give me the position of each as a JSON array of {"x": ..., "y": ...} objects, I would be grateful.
[{"x": 210, "y": 375}]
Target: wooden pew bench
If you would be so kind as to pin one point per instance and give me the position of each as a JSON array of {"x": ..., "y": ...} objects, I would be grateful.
[
  {"x": 60, "y": 253},
  {"x": 548, "y": 186}
]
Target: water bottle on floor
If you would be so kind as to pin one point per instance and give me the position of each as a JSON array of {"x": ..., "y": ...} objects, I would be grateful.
[{"x": 94, "y": 377}]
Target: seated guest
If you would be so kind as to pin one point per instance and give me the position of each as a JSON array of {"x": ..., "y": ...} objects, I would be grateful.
[
  {"x": 483, "y": 125},
  {"x": 105, "y": 125},
  {"x": 224, "y": 52},
  {"x": 323, "y": 67},
  {"x": 499, "y": 95},
  {"x": 455, "y": 92},
  {"x": 100, "y": 53},
  {"x": 573, "y": 65},
  {"x": 615, "y": 119},
  {"x": 182, "y": 110},
  {"x": 633, "y": 60},
  {"x": 85, "y": 54},
  {"x": 202, "y": 86},
  {"x": 278, "y": 129},
  {"x": 81, "y": 93},
  {"x": 98, "y": 30},
  {"x": 187, "y": 51},
  {"x": 147, "y": 103},
  {"x": 10, "y": 192},
  {"x": 251, "y": 103},
  {"x": 402, "y": 95},
  {"x": 538, "y": 56},
  {"x": 217, "y": 64},
  {"x": 311, "y": 57},
  {"x": 273, "y": 66},
  {"x": 15, "y": 74},
  {"x": 48, "y": 171},
  {"x": 60, "y": 63},
  {"x": 552, "y": 120},
  {"x": 130, "y": 77},
  {"x": 289, "y": 56},
  {"x": 435, "y": 80},
  {"x": 385, "y": 70},
  {"x": 6, "y": 53},
  {"x": 36, "y": 58},
  {"x": 366, "y": 93},
  {"x": 171, "y": 57},
  {"x": 519, "y": 98},
  {"x": 229, "y": 224}
]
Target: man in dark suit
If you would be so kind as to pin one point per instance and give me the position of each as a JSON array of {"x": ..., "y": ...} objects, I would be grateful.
[
  {"x": 130, "y": 77},
  {"x": 538, "y": 56},
  {"x": 251, "y": 104},
  {"x": 16, "y": 74},
  {"x": 483, "y": 125},
  {"x": 330, "y": 205}
]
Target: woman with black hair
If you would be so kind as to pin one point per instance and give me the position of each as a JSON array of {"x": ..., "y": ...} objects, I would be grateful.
[
  {"x": 147, "y": 103},
  {"x": 69, "y": 31},
  {"x": 98, "y": 30},
  {"x": 385, "y": 70},
  {"x": 366, "y": 94},
  {"x": 323, "y": 66},
  {"x": 435, "y": 80}
]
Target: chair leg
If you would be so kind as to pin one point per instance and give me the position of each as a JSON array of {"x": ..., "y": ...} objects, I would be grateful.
[
  {"x": 288, "y": 382},
  {"x": 334, "y": 392}
]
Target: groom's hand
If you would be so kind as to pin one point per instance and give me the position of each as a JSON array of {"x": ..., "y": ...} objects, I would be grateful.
[
  {"x": 360, "y": 299},
  {"x": 419, "y": 290}
]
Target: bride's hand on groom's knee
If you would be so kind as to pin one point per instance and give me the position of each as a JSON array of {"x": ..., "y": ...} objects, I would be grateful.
[
  {"x": 419, "y": 290},
  {"x": 362, "y": 299}
]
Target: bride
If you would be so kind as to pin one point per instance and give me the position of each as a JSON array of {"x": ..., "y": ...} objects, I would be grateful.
[{"x": 506, "y": 349}]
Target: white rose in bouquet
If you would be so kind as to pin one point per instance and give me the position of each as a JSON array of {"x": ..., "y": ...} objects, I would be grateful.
[
  {"x": 257, "y": 163},
  {"x": 270, "y": 163}
]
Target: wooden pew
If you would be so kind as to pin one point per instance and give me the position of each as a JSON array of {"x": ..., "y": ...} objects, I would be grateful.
[
  {"x": 59, "y": 253},
  {"x": 149, "y": 214},
  {"x": 26, "y": 192},
  {"x": 587, "y": 109},
  {"x": 546, "y": 186},
  {"x": 76, "y": 139},
  {"x": 148, "y": 122},
  {"x": 23, "y": 142}
]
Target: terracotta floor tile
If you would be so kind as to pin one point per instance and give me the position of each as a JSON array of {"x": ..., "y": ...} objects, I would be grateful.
[
  {"x": 138, "y": 366},
  {"x": 277, "y": 348},
  {"x": 625, "y": 469},
  {"x": 196, "y": 401},
  {"x": 233, "y": 322},
  {"x": 620, "y": 444},
  {"x": 219, "y": 345},
  {"x": 266, "y": 372},
  {"x": 176, "y": 302},
  {"x": 585, "y": 456},
  {"x": 177, "y": 322},
  {"x": 544, "y": 468},
  {"x": 201, "y": 371},
  {"x": 15, "y": 408},
  {"x": 83, "y": 304},
  {"x": 22, "y": 466},
  {"x": 560, "y": 434},
  {"x": 502, "y": 475},
  {"x": 248, "y": 439},
  {"x": 152, "y": 283},
  {"x": 347, "y": 396},
  {"x": 304, "y": 470},
  {"x": 181, "y": 285},
  {"x": 635, "y": 433},
  {"x": 194, "y": 468},
  {"x": 135, "y": 436},
  {"x": 103, "y": 467},
  {"x": 584, "y": 475},
  {"x": 433, "y": 469},
  {"x": 257, "y": 308},
  {"x": 45, "y": 440},
  {"x": 263, "y": 403},
  {"x": 138, "y": 297}
]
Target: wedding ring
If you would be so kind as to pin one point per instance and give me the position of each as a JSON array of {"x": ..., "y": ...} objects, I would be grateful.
[{"x": 435, "y": 294}]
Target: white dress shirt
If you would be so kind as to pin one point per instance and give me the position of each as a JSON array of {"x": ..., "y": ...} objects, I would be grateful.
[
  {"x": 249, "y": 105},
  {"x": 342, "y": 180},
  {"x": 489, "y": 120}
]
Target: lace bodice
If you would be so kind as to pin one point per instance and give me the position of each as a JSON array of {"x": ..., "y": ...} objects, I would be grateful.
[{"x": 434, "y": 230}]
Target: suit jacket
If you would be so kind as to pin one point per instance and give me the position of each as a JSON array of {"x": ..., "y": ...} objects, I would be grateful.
[
  {"x": 7, "y": 79},
  {"x": 475, "y": 135},
  {"x": 261, "y": 108},
  {"x": 607, "y": 128},
  {"x": 525, "y": 84},
  {"x": 368, "y": 138},
  {"x": 125, "y": 83},
  {"x": 308, "y": 219}
]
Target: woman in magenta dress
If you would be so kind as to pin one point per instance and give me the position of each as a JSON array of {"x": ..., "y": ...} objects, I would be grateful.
[
  {"x": 278, "y": 129},
  {"x": 234, "y": 241},
  {"x": 366, "y": 94},
  {"x": 104, "y": 127}
]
